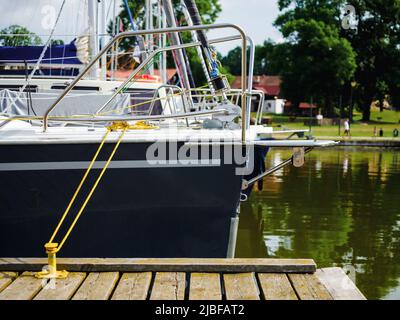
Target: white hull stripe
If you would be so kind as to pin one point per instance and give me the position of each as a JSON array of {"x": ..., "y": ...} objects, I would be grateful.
[{"x": 127, "y": 164}]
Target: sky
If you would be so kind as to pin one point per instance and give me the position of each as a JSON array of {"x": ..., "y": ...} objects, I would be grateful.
[{"x": 255, "y": 16}]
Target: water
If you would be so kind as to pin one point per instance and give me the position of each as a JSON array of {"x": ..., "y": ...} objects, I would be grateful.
[{"x": 342, "y": 208}]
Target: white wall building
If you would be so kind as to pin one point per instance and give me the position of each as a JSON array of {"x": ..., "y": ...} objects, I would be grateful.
[{"x": 275, "y": 106}]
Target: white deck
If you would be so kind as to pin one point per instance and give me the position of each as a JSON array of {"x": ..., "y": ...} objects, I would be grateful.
[{"x": 19, "y": 132}]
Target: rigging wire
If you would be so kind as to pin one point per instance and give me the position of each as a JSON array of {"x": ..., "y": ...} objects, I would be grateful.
[{"x": 48, "y": 42}]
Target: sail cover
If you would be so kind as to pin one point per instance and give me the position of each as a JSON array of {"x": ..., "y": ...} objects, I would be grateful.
[
  {"x": 56, "y": 55},
  {"x": 20, "y": 104}
]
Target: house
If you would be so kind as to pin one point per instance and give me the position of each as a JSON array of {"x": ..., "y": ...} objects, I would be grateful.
[
  {"x": 304, "y": 109},
  {"x": 275, "y": 102},
  {"x": 276, "y": 106},
  {"x": 271, "y": 87}
]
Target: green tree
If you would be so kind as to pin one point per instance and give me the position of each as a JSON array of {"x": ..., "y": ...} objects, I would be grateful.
[
  {"x": 327, "y": 11},
  {"x": 315, "y": 60},
  {"x": 232, "y": 61},
  {"x": 264, "y": 62},
  {"x": 302, "y": 59},
  {"x": 394, "y": 79},
  {"x": 320, "y": 62},
  {"x": 17, "y": 35},
  {"x": 57, "y": 42},
  {"x": 378, "y": 52},
  {"x": 266, "y": 59},
  {"x": 376, "y": 43}
]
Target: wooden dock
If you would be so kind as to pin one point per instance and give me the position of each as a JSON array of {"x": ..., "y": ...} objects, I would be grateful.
[{"x": 176, "y": 279}]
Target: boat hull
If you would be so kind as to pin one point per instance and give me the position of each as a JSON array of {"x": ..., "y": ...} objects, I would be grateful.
[{"x": 138, "y": 210}]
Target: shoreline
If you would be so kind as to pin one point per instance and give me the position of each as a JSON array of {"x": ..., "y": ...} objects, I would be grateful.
[{"x": 365, "y": 141}]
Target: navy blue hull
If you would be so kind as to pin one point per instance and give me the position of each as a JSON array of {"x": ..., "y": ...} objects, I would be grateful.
[{"x": 135, "y": 212}]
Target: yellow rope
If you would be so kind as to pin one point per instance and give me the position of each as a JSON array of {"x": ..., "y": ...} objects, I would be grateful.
[
  {"x": 53, "y": 248},
  {"x": 80, "y": 186},
  {"x": 124, "y": 126},
  {"x": 93, "y": 189},
  {"x": 140, "y": 125}
]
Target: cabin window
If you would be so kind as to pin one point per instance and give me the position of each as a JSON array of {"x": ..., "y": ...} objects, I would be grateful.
[
  {"x": 82, "y": 88},
  {"x": 28, "y": 88}
]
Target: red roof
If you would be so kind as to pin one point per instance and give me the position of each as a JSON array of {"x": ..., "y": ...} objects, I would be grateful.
[
  {"x": 170, "y": 73},
  {"x": 305, "y": 105},
  {"x": 302, "y": 105},
  {"x": 124, "y": 74},
  {"x": 269, "y": 90},
  {"x": 270, "y": 85}
]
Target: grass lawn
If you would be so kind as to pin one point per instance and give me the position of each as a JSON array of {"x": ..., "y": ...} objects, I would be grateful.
[
  {"x": 387, "y": 116},
  {"x": 356, "y": 129},
  {"x": 387, "y": 120}
]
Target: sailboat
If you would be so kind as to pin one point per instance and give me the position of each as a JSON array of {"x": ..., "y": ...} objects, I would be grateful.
[{"x": 107, "y": 181}]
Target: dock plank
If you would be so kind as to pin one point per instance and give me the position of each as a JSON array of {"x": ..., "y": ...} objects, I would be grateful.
[
  {"x": 164, "y": 265},
  {"x": 339, "y": 284},
  {"x": 169, "y": 286},
  {"x": 241, "y": 286},
  {"x": 61, "y": 289},
  {"x": 309, "y": 287},
  {"x": 97, "y": 286},
  {"x": 25, "y": 287},
  {"x": 133, "y": 286},
  {"x": 6, "y": 278},
  {"x": 205, "y": 286},
  {"x": 276, "y": 286},
  {"x": 97, "y": 279}
]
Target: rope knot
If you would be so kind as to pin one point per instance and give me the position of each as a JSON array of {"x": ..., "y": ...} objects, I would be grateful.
[
  {"x": 123, "y": 125},
  {"x": 119, "y": 125}
]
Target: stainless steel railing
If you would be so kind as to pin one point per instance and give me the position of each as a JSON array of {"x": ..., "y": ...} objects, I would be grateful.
[
  {"x": 170, "y": 48},
  {"x": 163, "y": 31},
  {"x": 242, "y": 36},
  {"x": 233, "y": 95},
  {"x": 170, "y": 93}
]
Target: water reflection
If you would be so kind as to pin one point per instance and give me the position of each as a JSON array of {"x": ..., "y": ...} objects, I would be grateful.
[{"x": 341, "y": 208}]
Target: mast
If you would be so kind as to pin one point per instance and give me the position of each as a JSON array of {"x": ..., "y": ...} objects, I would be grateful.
[
  {"x": 114, "y": 24},
  {"x": 162, "y": 43},
  {"x": 103, "y": 31},
  {"x": 218, "y": 81},
  {"x": 149, "y": 25},
  {"x": 195, "y": 38},
  {"x": 93, "y": 32},
  {"x": 175, "y": 40}
]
